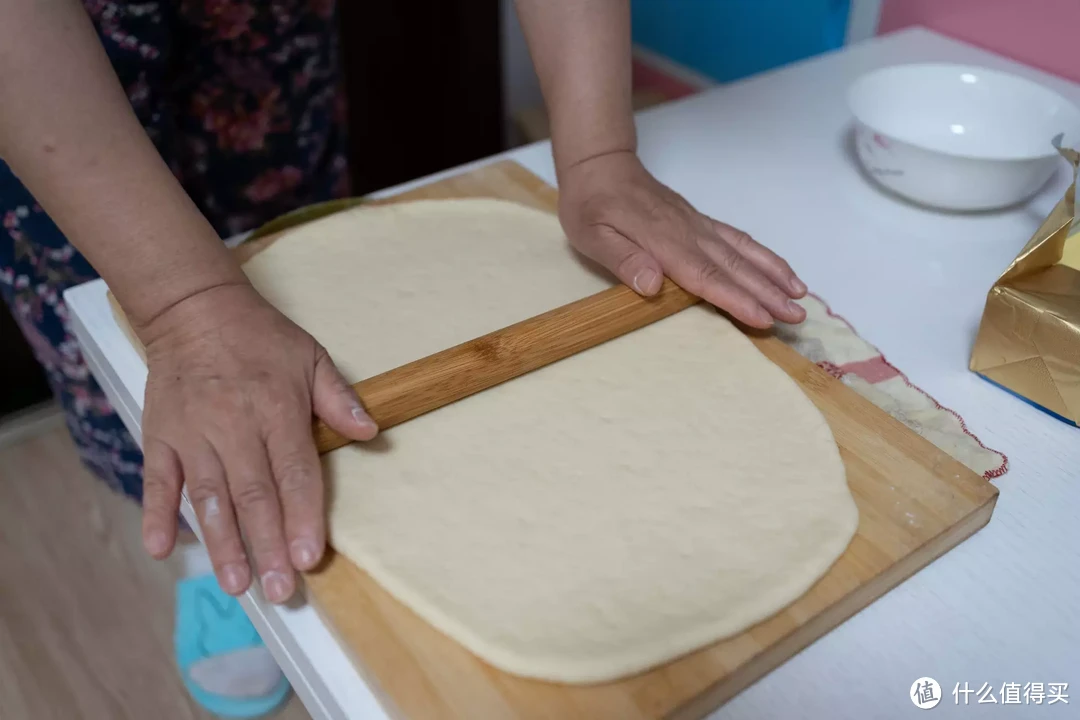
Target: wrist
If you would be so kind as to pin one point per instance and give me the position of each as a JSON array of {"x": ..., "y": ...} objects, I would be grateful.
[
  {"x": 195, "y": 313},
  {"x": 617, "y": 154},
  {"x": 598, "y": 171},
  {"x": 571, "y": 159},
  {"x": 575, "y": 141},
  {"x": 155, "y": 292}
]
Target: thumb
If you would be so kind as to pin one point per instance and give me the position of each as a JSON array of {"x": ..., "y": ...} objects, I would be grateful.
[
  {"x": 335, "y": 402},
  {"x": 636, "y": 268}
]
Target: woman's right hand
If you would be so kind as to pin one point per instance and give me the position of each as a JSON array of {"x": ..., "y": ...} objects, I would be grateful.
[
  {"x": 232, "y": 388},
  {"x": 233, "y": 384}
]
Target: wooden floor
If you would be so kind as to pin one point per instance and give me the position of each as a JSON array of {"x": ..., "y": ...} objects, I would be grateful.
[{"x": 85, "y": 614}]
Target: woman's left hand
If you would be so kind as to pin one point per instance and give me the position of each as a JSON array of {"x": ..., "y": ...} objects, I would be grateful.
[{"x": 616, "y": 213}]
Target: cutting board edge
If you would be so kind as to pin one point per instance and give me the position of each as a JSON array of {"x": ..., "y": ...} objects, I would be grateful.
[
  {"x": 762, "y": 664},
  {"x": 829, "y": 619},
  {"x": 385, "y": 700}
]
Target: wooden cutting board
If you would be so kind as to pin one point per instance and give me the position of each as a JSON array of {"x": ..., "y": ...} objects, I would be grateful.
[{"x": 915, "y": 503}]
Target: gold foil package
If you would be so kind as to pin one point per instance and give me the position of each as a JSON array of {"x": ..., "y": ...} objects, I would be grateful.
[{"x": 1029, "y": 338}]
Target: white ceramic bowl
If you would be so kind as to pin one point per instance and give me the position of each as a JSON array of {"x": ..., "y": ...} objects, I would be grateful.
[{"x": 958, "y": 137}]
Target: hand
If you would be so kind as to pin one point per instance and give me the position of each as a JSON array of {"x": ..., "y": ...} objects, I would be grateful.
[
  {"x": 229, "y": 401},
  {"x": 619, "y": 215}
]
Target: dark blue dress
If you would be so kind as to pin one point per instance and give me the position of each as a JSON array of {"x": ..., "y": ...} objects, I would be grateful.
[{"x": 242, "y": 99}]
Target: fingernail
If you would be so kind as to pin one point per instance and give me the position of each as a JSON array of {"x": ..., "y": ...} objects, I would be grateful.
[
  {"x": 765, "y": 318},
  {"x": 275, "y": 586},
  {"x": 646, "y": 282},
  {"x": 798, "y": 286},
  {"x": 234, "y": 578},
  {"x": 363, "y": 419},
  {"x": 156, "y": 542},
  {"x": 304, "y": 552},
  {"x": 795, "y": 307}
]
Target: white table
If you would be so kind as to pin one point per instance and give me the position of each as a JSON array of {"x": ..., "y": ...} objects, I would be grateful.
[{"x": 771, "y": 156}]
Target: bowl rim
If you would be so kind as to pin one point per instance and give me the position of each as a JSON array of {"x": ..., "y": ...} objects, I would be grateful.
[{"x": 871, "y": 74}]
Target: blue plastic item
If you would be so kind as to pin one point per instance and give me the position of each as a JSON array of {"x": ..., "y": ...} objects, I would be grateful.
[
  {"x": 731, "y": 39},
  {"x": 210, "y": 623}
]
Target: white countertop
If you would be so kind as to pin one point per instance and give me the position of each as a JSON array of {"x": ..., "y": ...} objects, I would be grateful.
[{"x": 770, "y": 155}]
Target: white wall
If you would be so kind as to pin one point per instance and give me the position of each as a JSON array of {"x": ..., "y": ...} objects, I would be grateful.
[
  {"x": 863, "y": 20},
  {"x": 521, "y": 89}
]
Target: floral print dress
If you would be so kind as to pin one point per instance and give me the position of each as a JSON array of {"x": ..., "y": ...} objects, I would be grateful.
[{"x": 241, "y": 97}]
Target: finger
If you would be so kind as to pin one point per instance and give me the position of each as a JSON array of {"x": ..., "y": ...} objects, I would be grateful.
[
  {"x": 774, "y": 266},
  {"x": 255, "y": 498},
  {"x": 627, "y": 260},
  {"x": 209, "y": 495},
  {"x": 295, "y": 463},
  {"x": 162, "y": 480},
  {"x": 739, "y": 268},
  {"x": 335, "y": 402},
  {"x": 692, "y": 269}
]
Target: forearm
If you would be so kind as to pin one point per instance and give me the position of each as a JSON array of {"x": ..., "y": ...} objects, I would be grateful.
[
  {"x": 68, "y": 132},
  {"x": 581, "y": 50}
]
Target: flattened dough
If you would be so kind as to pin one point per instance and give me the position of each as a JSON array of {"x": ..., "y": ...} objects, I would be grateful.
[{"x": 590, "y": 520}]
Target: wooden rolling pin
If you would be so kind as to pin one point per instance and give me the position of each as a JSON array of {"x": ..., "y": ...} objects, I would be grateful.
[{"x": 450, "y": 375}]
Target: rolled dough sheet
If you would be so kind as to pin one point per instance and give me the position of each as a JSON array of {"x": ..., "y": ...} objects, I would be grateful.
[{"x": 593, "y": 519}]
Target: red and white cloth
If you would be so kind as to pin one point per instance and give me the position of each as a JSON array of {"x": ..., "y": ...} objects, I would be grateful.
[{"x": 828, "y": 340}]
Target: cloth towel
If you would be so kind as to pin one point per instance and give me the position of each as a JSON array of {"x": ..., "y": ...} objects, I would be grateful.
[{"x": 830, "y": 341}]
